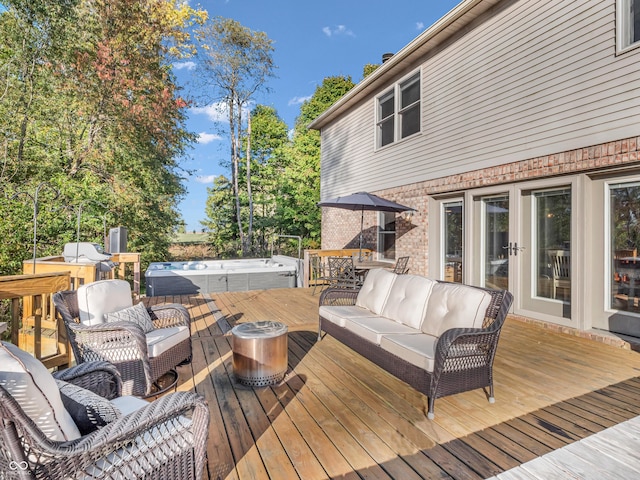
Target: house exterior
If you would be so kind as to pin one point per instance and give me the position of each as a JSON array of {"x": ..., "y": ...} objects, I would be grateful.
[{"x": 513, "y": 128}]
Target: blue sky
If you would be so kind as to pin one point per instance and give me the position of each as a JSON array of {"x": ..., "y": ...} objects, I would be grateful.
[{"x": 312, "y": 41}]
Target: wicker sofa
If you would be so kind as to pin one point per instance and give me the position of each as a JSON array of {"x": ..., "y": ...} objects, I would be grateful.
[{"x": 438, "y": 337}]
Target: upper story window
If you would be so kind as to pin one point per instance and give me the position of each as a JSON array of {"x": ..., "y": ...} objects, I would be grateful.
[
  {"x": 628, "y": 23},
  {"x": 398, "y": 111}
]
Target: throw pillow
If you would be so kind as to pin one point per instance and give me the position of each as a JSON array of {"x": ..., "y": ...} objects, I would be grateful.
[
  {"x": 137, "y": 314},
  {"x": 88, "y": 410}
]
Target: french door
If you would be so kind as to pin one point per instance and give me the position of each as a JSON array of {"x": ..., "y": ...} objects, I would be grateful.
[{"x": 521, "y": 241}]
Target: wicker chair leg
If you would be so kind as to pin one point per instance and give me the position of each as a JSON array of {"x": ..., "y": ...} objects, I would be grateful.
[
  {"x": 430, "y": 414},
  {"x": 492, "y": 399}
]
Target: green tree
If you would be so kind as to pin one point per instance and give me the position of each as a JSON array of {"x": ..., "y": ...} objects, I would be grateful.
[
  {"x": 90, "y": 105},
  {"x": 300, "y": 180},
  {"x": 235, "y": 62}
]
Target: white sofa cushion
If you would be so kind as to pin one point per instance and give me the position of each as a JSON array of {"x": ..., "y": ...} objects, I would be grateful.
[
  {"x": 162, "y": 339},
  {"x": 455, "y": 306},
  {"x": 418, "y": 350},
  {"x": 338, "y": 314},
  {"x": 408, "y": 299},
  {"x": 104, "y": 296},
  {"x": 32, "y": 386},
  {"x": 137, "y": 314},
  {"x": 375, "y": 290},
  {"x": 372, "y": 328}
]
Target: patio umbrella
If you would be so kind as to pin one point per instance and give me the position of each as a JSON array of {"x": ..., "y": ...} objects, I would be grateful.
[{"x": 364, "y": 201}]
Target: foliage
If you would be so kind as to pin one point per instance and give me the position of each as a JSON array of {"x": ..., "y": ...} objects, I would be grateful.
[
  {"x": 285, "y": 177},
  {"x": 90, "y": 106}
]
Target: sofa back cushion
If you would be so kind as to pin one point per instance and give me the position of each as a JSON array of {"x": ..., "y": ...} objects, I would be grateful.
[
  {"x": 375, "y": 290},
  {"x": 408, "y": 299},
  {"x": 104, "y": 296},
  {"x": 455, "y": 306},
  {"x": 29, "y": 382}
]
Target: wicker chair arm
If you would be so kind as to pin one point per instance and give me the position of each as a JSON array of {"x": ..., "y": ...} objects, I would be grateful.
[
  {"x": 114, "y": 334},
  {"x": 160, "y": 422},
  {"x": 169, "y": 315},
  {"x": 101, "y": 378},
  {"x": 338, "y": 296}
]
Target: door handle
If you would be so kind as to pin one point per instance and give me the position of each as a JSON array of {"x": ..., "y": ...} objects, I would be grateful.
[{"x": 513, "y": 248}]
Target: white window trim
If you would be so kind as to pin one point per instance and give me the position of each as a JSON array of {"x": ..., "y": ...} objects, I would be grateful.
[
  {"x": 622, "y": 28},
  {"x": 397, "y": 111}
]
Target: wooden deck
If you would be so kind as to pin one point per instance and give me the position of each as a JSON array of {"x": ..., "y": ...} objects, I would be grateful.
[{"x": 336, "y": 415}]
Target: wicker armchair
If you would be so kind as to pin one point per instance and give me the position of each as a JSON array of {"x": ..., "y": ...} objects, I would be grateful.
[
  {"x": 165, "y": 439},
  {"x": 141, "y": 358}
]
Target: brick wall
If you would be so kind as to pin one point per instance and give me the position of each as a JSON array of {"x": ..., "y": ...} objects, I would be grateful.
[{"x": 341, "y": 228}]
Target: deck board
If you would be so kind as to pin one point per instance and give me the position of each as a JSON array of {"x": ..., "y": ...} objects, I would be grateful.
[{"x": 337, "y": 415}]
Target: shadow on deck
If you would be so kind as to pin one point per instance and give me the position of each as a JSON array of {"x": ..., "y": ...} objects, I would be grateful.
[{"x": 337, "y": 415}]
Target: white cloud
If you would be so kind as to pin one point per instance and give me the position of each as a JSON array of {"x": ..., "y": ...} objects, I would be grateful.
[
  {"x": 419, "y": 26},
  {"x": 298, "y": 100},
  {"x": 184, "y": 65},
  {"x": 218, "y": 112},
  {"x": 205, "y": 179},
  {"x": 205, "y": 138},
  {"x": 338, "y": 30}
]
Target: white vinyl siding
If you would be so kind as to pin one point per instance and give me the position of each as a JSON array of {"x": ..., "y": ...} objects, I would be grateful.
[{"x": 530, "y": 79}]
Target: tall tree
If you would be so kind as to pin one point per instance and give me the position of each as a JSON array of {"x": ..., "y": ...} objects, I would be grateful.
[
  {"x": 235, "y": 62},
  {"x": 99, "y": 117},
  {"x": 300, "y": 181}
]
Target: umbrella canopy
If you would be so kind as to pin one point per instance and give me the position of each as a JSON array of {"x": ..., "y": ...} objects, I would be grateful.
[{"x": 364, "y": 201}]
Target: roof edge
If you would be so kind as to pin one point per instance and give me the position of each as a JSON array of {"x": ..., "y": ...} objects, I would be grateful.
[{"x": 360, "y": 90}]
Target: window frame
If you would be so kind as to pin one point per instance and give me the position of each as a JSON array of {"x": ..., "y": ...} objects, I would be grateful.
[
  {"x": 623, "y": 26},
  {"x": 382, "y": 233},
  {"x": 399, "y": 112}
]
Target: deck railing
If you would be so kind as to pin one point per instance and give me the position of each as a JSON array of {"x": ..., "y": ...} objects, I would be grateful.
[
  {"x": 311, "y": 276},
  {"x": 127, "y": 267},
  {"x": 32, "y": 321}
]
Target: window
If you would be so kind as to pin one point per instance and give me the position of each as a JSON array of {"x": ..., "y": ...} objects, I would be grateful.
[
  {"x": 398, "y": 111},
  {"x": 453, "y": 234},
  {"x": 628, "y": 23},
  {"x": 624, "y": 231},
  {"x": 387, "y": 236}
]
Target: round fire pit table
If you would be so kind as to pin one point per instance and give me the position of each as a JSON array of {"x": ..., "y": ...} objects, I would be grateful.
[{"x": 259, "y": 352}]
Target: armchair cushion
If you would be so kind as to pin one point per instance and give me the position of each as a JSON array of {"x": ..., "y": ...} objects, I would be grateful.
[
  {"x": 137, "y": 314},
  {"x": 29, "y": 382},
  {"x": 162, "y": 339},
  {"x": 104, "y": 296},
  {"x": 88, "y": 410},
  {"x": 455, "y": 306}
]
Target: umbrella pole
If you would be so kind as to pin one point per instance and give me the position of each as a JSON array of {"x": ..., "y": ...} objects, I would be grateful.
[{"x": 361, "y": 228}]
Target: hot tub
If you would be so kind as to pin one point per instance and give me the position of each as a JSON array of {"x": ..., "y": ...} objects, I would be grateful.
[{"x": 210, "y": 276}]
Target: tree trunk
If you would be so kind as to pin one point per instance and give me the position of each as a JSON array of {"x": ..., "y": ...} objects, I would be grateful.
[
  {"x": 249, "y": 192},
  {"x": 233, "y": 127}
]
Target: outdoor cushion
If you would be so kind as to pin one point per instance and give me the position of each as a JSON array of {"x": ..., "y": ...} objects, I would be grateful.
[
  {"x": 128, "y": 404},
  {"x": 32, "y": 386},
  {"x": 375, "y": 290},
  {"x": 162, "y": 339},
  {"x": 137, "y": 314},
  {"x": 104, "y": 296},
  {"x": 339, "y": 313},
  {"x": 372, "y": 328},
  {"x": 88, "y": 410},
  {"x": 455, "y": 306},
  {"x": 418, "y": 350},
  {"x": 408, "y": 299}
]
